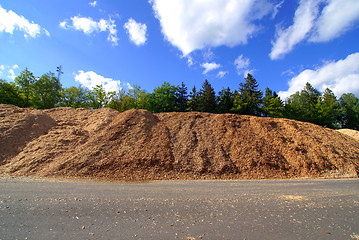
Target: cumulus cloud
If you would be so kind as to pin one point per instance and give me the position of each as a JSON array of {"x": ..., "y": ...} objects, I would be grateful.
[
  {"x": 12, "y": 74},
  {"x": 242, "y": 65},
  {"x": 93, "y": 4},
  {"x": 196, "y": 24},
  {"x": 210, "y": 67},
  {"x": 311, "y": 24},
  {"x": 304, "y": 18},
  {"x": 10, "y": 22},
  {"x": 89, "y": 26},
  {"x": 336, "y": 18},
  {"x": 136, "y": 31},
  {"x": 221, "y": 74},
  {"x": 91, "y": 79},
  {"x": 10, "y": 71},
  {"x": 2, "y": 68},
  {"x": 341, "y": 77}
]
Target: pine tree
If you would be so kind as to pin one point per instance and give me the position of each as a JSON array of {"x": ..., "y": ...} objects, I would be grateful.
[
  {"x": 350, "y": 111},
  {"x": 193, "y": 102},
  {"x": 328, "y": 109},
  {"x": 272, "y": 104},
  {"x": 249, "y": 98},
  {"x": 225, "y": 101},
  {"x": 207, "y": 98},
  {"x": 309, "y": 98},
  {"x": 181, "y": 98}
]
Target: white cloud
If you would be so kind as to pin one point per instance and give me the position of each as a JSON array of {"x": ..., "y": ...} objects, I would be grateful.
[
  {"x": 304, "y": 18},
  {"x": 190, "y": 61},
  {"x": 89, "y": 26},
  {"x": 2, "y": 68},
  {"x": 208, "y": 55},
  {"x": 10, "y": 71},
  {"x": 91, "y": 79},
  {"x": 341, "y": 77},
  {"x": 276, "y": 8},
  {"x": 209, "y": 67},
  {"x": 93, "y": 4},
  {"x": 10, "y": 21},
  {"x": 313, "y": 25},
  {"x": 136, "y": 31},
  {"x": 336, "y": 18},
  {"x": 242, "y": 62},
  {"x": 242, "y": 65},
  {"x": 221, "y": 74},
  {"x": 12, "y": 74},
  {"x": 196, "y": 24}
]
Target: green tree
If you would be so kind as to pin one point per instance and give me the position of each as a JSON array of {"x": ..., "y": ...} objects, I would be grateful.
[
  {"x": 225, "y": 101},
  {"x": 25, "y": 81},
  {"x": 292, "y": 107},
  {"x": 349, "y": 105},
  {"x": 98, "y": 97},
  {"x": 46, "y": 92},
  {"x": 121, "y": 101},
  {"x": 163, "y": 98},
  {"x": 303, "y": 105},
  {"x": 139, "y": 97},
  {"x": 193, "y": 101},
  {"x": 9, "y": 94},
  {"x": 248, "y": 99},
  {"x": 181, "y": 98},
  {"x": 309, "y": 100},
  {"x": 328, "y": 109},
  {"x": 207, "y": 98},
  {"x": 75, "y": 97},
  {"x": 272, "y": 104}
]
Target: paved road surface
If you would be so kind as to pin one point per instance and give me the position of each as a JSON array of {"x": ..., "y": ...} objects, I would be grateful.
[{"x": 291, "y": 209}]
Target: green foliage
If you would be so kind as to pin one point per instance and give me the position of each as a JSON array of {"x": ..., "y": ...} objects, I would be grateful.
[
  {"x": 328, "y": 109},
  {"x": 139, "y": 97},
  {"x": 350, "y": 111},
  {"x": 272, "y": 104},
  {"x": 46, "y": 92},
  {"x": 9, "y": 94},
  {"x": 163, "y": 98},
  {"x": 248, "y": 99},
  {"x": 306, "y": 105},
  {"x": 303, "y": 105},
  {"x": 193, "y": 101},
  {"x": 225, "y": 101},
  {"x": 207, "y": 98},
  {"x": 181, "y": 98},
  {"x": 121, "y": 101},
  {"x": 25, "y": 81},
  {"x": 75, "y": 97},
  {"x": 98, "y": 98}
]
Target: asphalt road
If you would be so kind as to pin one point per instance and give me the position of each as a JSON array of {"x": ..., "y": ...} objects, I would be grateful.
[{"x": 268, "y": 209}]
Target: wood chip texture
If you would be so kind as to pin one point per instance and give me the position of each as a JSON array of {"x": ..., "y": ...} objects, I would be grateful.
[{"x": 138, "y": 145}]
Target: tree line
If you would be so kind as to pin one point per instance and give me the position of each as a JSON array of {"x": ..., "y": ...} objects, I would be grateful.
[{"x": 308, "y": 105}]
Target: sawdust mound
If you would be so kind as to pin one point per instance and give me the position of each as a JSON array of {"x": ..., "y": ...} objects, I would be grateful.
[
  {"x": 350, "y": 132},
  {"x": 139, "y": 145}
]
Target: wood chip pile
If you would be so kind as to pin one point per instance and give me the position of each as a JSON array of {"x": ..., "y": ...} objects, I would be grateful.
[{"x": 138, "y": 145}]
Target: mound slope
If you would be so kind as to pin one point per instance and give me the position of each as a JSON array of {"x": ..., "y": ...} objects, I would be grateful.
[{"x": 139, "y": 145}]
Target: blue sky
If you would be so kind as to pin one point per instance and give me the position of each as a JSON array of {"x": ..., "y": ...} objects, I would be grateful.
[{"x": 282, "y": 43}]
